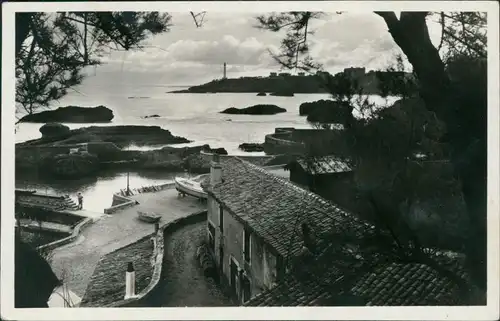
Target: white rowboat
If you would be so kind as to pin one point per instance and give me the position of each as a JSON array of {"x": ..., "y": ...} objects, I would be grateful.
[
  {"x": 189, "y": 187},
  {"x": 148, "y": 217}
]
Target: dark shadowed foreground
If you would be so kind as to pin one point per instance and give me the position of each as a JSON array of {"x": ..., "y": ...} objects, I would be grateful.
[{"x": 183, "y": 282}]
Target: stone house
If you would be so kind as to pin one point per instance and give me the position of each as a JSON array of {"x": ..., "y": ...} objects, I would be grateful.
[
  {"x": 257, "y": 222},
  {"x": 276, "y": 244}
]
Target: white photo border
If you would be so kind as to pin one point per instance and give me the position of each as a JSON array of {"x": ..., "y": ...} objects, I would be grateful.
[{"x": 8, "y": 312}]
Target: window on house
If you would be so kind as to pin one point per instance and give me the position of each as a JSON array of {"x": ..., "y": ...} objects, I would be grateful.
[
  {"x": 246, "y": 245},
  {"x": 221, "y": 219}
]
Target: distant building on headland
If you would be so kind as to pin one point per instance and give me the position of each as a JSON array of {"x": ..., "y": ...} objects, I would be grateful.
[
  {"x": 285, "y": 74},
  {"x": 355, "y": 72},
  {"x": 224, "y": 75}
]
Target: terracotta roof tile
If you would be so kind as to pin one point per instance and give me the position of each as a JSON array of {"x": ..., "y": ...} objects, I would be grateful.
[
  {"x": 323, "y": 165},
  {"x": 275, "y": 208},
  {"x": 387, "y": 284},
  {"x": 107, "y": 284}
]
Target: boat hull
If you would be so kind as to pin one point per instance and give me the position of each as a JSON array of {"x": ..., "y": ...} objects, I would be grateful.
[{"x": 187, "y": 187}]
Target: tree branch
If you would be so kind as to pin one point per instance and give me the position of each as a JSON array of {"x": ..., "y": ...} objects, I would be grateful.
[
  {"x": 442, "y": 31},
  {"x": 478, "y": 52}
]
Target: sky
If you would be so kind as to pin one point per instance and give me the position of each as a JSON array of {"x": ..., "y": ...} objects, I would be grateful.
[{"x": 187, "y": 55}]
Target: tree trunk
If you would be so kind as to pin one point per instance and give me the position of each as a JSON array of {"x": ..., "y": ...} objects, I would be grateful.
[{"x": 411, "y": 34}]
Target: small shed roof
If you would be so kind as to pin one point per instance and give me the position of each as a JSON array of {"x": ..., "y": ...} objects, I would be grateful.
[{"x": 323, "y": 165}]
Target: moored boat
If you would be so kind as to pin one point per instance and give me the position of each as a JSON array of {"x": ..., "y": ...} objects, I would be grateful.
[
  {"x": 148, "y": 217},
  {"x": 189, "y": 187}
]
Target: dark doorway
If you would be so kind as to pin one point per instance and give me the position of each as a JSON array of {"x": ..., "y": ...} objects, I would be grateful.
[{"x": 247, "y": 291}]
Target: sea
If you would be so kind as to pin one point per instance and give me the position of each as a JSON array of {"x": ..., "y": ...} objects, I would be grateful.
[{"x": 196, "y": 117}]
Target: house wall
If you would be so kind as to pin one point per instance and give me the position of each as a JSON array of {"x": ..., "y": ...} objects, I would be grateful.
[
  {"x": 298, "y": 175},
  {"x": 263, "y": 263},
  {"x": 263, "y": 269}
]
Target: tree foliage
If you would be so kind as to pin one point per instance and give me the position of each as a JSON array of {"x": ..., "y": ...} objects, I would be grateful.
[
  {"x": 437, "y": 123},
  {"x": 52, "y": 50},
  {"x": 462, "y": 34}
]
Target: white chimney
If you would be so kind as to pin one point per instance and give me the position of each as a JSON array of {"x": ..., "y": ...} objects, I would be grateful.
[
  {"x": 130, "y": 281},
  {"x": 215, "y": 170}
]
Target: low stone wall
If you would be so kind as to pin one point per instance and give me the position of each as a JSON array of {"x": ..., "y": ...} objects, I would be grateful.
[
  {"x": 282, "y": 143},
  {"x": 146, "y": 189},
  {"x": 146, "y": 294},
  {"x": 76, "y": 231},
  {"x": 119, "y": 203},
  {"x": 295, "y": 141}
]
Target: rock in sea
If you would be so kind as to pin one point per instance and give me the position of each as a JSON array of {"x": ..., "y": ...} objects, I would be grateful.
[
  {"x": 262, "y": 109},
  {"x": 72, "y": 114},
  {"x": 54, "y": 130},
  {"x": 251, "y": 147}
]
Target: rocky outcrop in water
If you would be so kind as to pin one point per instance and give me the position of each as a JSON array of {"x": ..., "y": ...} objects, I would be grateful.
[
  {"x": 51, "y": 154},
  {"x": 263, "y": 109},
  {"x": 325, "y": 111},
  {"x": 72, "y": 114},
  {"x": 122, "y": 136},
  {"x": 71, "y": 165},
  {"x": 262, "y": 94},
  {"x": 251, "y": 147},
  {"x": 151, "y": 116},
  {"x": 336, "y": 112},
  {"x": 307, "y": 107},
  {"x": 54, "y": 130}
]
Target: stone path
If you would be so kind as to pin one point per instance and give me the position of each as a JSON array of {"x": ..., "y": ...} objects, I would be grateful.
[
  {"x": 183, "y": 283},
  {"x": 75, "y": 262}
]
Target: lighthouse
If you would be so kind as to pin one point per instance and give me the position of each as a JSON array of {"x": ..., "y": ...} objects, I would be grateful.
[{"x": 224, "y": 72}]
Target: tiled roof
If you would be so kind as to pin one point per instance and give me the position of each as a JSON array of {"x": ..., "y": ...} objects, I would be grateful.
[
  {"x": 323, "y": 165},
  {"x": 385, "y": 284},
  {"x": 275, "y": 208},
  {"x": 107, "y": 284}
]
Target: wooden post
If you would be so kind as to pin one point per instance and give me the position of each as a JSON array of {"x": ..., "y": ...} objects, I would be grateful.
[{"x": 128, "y": 180}]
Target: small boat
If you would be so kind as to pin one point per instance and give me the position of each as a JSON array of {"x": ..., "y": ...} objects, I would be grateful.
[
  {"x": 189, "y": 187},
  {"x": 148, "y": 217}
]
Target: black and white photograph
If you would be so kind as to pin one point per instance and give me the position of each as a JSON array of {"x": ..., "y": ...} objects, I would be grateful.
[{"x": 252, "y": 160}]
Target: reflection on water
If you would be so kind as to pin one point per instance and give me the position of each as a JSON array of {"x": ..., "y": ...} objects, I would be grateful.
[{"x": 97, "y": 191}]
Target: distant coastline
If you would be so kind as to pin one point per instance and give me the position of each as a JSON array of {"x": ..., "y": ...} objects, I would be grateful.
[{"x": 288, "y": 83}]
